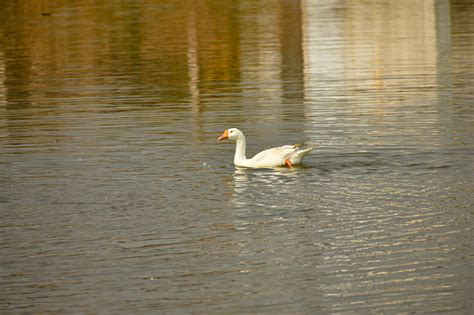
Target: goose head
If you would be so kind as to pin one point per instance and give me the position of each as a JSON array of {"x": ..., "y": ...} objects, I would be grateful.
[{"x": 231, "y": 133}]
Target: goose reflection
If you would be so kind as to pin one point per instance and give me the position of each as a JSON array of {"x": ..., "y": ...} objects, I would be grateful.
[{"x": 262, "y": 187}]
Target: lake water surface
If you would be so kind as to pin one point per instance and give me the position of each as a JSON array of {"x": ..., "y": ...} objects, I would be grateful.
[{"x": 115, "y": 196}]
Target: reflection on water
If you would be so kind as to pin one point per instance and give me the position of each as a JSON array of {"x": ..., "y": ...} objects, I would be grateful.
[
  {"x": 332, "y": 236},
  {"x": 115, "y": 196}
]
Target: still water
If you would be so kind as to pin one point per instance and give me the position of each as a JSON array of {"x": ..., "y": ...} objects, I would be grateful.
[{"x": 115, "y": 196}]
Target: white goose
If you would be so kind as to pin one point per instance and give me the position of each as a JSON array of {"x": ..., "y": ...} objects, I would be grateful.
[{"x": 288, "y": 155}]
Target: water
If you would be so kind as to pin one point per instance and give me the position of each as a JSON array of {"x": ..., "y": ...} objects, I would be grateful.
[{"x": 115, "y": 196}]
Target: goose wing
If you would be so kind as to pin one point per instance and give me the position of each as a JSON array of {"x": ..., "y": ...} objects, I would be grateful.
[{"x": 274, "y": 156}]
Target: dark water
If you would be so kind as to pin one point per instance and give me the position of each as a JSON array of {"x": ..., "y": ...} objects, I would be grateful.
[{"x": 115, "y": 196}]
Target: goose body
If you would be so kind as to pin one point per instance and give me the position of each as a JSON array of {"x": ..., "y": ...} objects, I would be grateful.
[{"x": 288, "y": 155}]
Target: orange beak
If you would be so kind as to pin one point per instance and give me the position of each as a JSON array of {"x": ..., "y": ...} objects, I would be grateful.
[{"x": 224, "y": 135}]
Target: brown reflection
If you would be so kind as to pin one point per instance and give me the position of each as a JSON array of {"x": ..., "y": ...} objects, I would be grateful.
[
  {"x": 218, "y": 38},
  {"x": 17, "y": 47},
  {"x": 249, "y": 52},
  {"x": 368, "y": 57},
  {"x": 457, "y": 78},
  {"x": 461, "y": 15},
  {"x": 213, "y": 60},
  {"x": 156, "y": 55},
  {"x": 158, "y": 43},
  {"x": 30, "y": 60},
  {"x": 292, "y": 54},
  {"x": 271, "y": 66}
]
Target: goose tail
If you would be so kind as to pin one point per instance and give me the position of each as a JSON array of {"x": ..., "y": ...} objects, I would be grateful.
[{"x": 297, "y": 158}]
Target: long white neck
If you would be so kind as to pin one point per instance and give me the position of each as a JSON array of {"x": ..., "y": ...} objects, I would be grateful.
[{"x": 240, "y": 147}]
